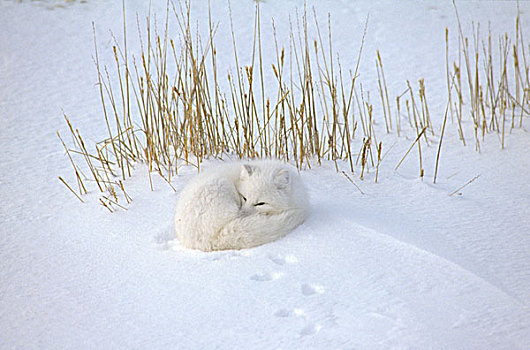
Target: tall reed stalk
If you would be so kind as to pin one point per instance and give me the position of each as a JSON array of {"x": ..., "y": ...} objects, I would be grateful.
[{"x": 170, "y": 105}]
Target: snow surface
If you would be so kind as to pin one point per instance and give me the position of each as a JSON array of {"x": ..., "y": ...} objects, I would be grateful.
[{"x": 404, "y": 266}]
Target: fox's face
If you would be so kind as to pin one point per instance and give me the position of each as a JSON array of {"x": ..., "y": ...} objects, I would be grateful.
[{"x": 265, "y": 191}]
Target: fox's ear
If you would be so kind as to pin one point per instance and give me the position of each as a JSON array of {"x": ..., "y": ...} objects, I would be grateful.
[
  {"x": 247, "y": 171},
  {"x": 282, "y": 178}
]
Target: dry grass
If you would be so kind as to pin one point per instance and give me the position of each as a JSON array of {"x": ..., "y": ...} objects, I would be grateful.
[{"x": 167, "y": 106}]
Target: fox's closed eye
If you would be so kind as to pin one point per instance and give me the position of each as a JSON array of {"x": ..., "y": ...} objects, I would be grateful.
[
  {"x": 243, "y": 197},
  {"x": 258, "y": 204}
]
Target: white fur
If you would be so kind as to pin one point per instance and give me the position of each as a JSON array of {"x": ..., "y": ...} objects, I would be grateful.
[{"x": 240, "y": 205}]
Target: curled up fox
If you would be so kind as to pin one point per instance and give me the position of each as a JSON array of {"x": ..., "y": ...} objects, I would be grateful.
[{"x": 240, "y": 205}]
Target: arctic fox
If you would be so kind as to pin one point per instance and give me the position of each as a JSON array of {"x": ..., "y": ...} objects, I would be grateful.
[{"x": 240, "y": 205}]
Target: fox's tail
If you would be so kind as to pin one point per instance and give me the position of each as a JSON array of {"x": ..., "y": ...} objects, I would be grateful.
[{"x": 254, "y": 230}]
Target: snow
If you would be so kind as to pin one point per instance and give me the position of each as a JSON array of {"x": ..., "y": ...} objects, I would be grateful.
[{"x": 403, "y": 266}]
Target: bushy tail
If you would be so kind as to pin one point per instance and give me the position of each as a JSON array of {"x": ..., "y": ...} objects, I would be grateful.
[{"x": 254, "y": 230}]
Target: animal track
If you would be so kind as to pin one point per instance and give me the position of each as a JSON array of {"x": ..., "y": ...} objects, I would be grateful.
[
  {"x": 308, "y": 293},
  {"x": 164, "y": 239},
  {"x": 310, "y": 329},
  {"x": 263, "y": 277},
  {"x": 280, "y": 260},
  {"x": 282, "y": 313},
  {"x": 310, "y": 289}
]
